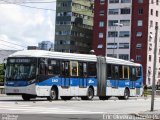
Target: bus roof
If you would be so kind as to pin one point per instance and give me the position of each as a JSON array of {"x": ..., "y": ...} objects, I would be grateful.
[
  {"x": 57, "y": 55},
  {"x": 70, "y": 56}
]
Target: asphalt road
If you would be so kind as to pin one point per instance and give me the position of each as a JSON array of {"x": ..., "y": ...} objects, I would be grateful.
[{"x": 75, "y": 109}]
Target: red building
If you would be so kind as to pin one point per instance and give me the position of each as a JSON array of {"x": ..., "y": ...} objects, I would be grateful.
[{"x": 126, "y": 29}]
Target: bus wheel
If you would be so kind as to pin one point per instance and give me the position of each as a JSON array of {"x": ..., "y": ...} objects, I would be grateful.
[
  {"x": 126, "y": 94},
  {"x": 53, "y": 94},
  {"x": 66, "y": 97},
  {"x": 103, "y": 97},
  {"x": 26, "y": 97},
  {"x": 90, "y": 95}
]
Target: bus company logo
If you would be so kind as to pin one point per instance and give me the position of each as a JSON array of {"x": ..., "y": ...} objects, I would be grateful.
[
  {"x": 126, "y": 83},
  {"x": 90, "y": 81},
  {"x": 54, "y": 80}
]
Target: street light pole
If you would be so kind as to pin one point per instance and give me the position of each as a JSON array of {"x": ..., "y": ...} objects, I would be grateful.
[
  {"x": 115, "y": 25},
  {"x": 154, "y": 68}
]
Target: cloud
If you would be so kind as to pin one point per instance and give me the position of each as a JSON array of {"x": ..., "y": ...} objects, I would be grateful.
[{"x": 26, "y": 26}]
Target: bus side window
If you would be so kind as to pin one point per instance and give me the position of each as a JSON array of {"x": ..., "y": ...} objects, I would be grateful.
[
  {"x": 82, "y": 69},
  {"x": 133, "y": 73},
  {"x": 126, "y": 75},
  {"x": 115, "y": 74},
  {"x": 54, "y": 67},
  {"x": 74, "y": 68},
  {"x": 64, "y": 65},
  {"x": 92, "y": 70},
  {"x": 85, "y": 69},
  {"x": 109, "y": 71},
  {"x": 43, "y": 63},
  {"x": 120, "y": 72},
  {"x": 130, "y": 72},
  {"x": 138, "y": 72}
]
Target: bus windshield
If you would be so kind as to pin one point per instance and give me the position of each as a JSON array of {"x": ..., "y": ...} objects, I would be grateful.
[{"x": 20, "y": 71}]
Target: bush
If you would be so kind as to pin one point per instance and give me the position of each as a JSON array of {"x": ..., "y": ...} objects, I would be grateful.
[{"x": 1, "y": 74}]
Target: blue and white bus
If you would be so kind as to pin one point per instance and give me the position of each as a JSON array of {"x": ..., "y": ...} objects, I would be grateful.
[{"x": 54, "y": 75}]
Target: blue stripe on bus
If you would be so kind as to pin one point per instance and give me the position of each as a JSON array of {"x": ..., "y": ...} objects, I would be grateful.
[
  {"x": 84, "y": 82},
  {"x": 125, "y": 83},
  {"x": 69, "y": 82}
]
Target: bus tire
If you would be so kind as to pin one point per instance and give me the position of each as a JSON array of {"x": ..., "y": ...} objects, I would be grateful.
[
  {"x": 126, "y": 95},
  {"x": 104, "y": 97},
  {"x": 90, "y": 94},
  {"x": 66, "y": 97},
  {"x": 53, "y": 94},
  {"x": 26, "y": 97}
]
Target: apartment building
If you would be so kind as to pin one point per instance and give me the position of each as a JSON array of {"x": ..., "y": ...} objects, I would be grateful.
[
  {"x": 125, "y": 29},
  {"x": 74, "y": 26}
]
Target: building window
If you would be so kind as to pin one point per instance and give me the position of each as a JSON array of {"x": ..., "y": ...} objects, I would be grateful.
[
  {"x": 113, "y": 11},
  {"x": 150, "y": 58},
  {"x": 123, "y": 45},
  {"x": 124, "y": 56},
  {"x": 112, "y": 34},
  {"x": 156, "y": 23},
  {"x": 140, "y": 1},
  {"x": 100, "y": 46},
  {"x": 102, "y": 1},
  {"x": 150, "y": 46},
  {"x": 156, "y": 13},
  {"x": 151, "y": 23},
  {"x": 151, "y": 11},
  {"x": 125, "y": 11},
  {"x": 152, "y": 2},
  {"x": 139, "y": 46},
  {"x": 101, "y": 24},
  {"x": 101, "y": 13},
  {"x": 111, "y": 55},
  {"x": 125, "y": 1},
  {"x": 112, "y": 22},
  {"x": 138, "y": 57},
  {"x": 140, "y": 11},
  {"x": 157, "y": 2},
  {"x": 124, "y": 34},
  {"x": 100, "y": 35},
  {"x": 111, "y": 45},
  {"x": 139, "y": 34},
  {"x": 113, "y": 1},
  {"x": 139, "y": 23},
  {"x": 125, "y": 22}
]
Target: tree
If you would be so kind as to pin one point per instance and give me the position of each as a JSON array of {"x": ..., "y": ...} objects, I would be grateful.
[{"x": 1, "y": 74}]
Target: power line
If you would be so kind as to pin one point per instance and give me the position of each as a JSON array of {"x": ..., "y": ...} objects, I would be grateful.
[
  {"x": 38, "y": 7},
  {"x": 29, "y": 6},
  {"x": 13, "y": 43},
  {"x": 9, "y": 46}
]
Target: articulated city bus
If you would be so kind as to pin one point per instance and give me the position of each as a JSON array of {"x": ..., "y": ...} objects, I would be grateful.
[{"x": 54, "y": 75}]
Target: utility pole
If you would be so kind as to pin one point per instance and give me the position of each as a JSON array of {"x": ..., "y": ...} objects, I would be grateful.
[
  {"x": 154, "y": 69},
  {"x": 116, "y": 35}
]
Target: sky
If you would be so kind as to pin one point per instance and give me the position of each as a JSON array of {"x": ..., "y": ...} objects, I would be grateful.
[{"x": 23, "y": 26}]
